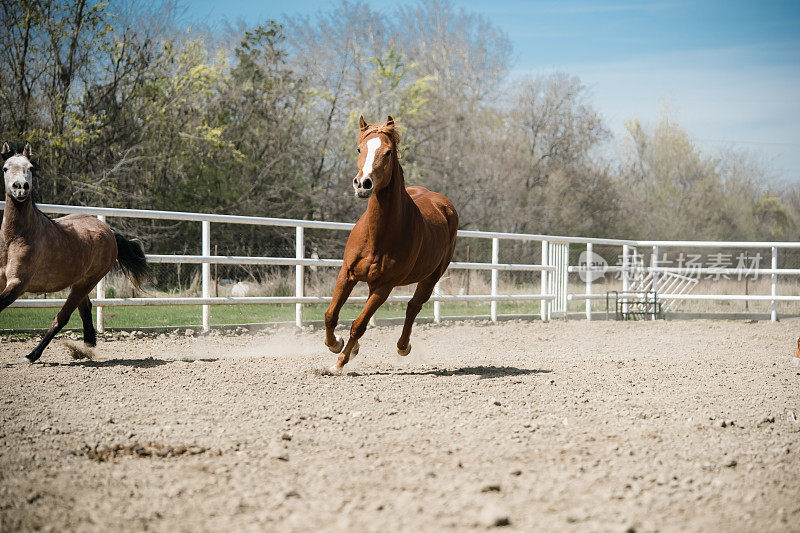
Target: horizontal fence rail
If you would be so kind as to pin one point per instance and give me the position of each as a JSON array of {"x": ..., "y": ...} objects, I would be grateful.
[
  {"x": 741, "y": 297},
  {"x": 228, "y": 300},
  {"x": 286, "y": 261},
  {"x": 553, "y": 296},
  {"x": 698, "y": 270}
]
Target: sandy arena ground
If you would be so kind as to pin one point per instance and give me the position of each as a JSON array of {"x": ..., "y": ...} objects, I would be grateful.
[{"x": 667, "y": 426}]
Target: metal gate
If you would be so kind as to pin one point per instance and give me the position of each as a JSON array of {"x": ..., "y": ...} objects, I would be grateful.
[
  {"x": 664, "y": 284},
  {"x": 558, "y": 256}
]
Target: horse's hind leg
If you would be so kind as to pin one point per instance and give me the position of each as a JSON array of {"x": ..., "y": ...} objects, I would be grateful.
[
  {"x": 59, "y": 322},
  {"x": 89, "y": 334},
  {"x": 421, "y": 295}
]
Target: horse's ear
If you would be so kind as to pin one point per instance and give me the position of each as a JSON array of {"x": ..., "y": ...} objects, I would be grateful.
[
  {"x": 27, "y": 152},
  {"x": 390, "y": 121},
  {"x": 6, "y": 151},
  {"x": 362, "y": 123}
]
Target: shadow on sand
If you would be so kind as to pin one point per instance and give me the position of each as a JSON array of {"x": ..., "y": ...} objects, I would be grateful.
[
  {"x": 483, "y": 372},
  {"x": 150, "y": 362}
]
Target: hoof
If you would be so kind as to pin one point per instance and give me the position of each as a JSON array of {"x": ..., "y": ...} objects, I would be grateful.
[
  {"x": 335, "y": 370},
  {"x": 32, "y": 357},
  {"x": 337, "y": 348},
  {"x": 404, "y": 352}
]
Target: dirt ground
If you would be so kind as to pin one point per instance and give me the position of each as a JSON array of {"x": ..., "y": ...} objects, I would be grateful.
[{"x": 601, "y": 426}]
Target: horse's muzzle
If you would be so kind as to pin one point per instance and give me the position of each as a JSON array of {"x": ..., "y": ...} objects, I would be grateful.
[
  {"x": 20, "y": 190},
  {"x": 363, "y": 187}
]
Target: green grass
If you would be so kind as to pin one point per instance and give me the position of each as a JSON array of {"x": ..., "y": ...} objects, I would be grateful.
[{"x": 188, "y": 315}]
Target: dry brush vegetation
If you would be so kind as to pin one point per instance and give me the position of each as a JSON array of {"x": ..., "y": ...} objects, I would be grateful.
[{"x": 128, "y": 105}]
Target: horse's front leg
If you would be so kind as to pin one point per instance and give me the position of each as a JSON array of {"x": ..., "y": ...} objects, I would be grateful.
[
  {"x": 73, "y": 300},
  {"x": 13, "y": 290},
  {"x": 17, "y": 275},
  {"x": 344, "y": 286},
  {"x": 376, "y": 298}
]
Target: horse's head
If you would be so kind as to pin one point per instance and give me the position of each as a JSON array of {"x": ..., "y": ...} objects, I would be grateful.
[
  {"x": 17, "y": 172},
  {"x": 376, "y": 152}
]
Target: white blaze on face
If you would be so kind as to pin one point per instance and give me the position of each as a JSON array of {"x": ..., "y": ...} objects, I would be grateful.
[{"x": 372, "y": 147}]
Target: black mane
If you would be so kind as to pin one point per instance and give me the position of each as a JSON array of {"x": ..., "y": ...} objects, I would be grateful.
[{"x": 16, "y": 149}]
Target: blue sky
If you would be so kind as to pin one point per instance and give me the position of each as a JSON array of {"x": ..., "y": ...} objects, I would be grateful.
[{"x": 729, "y": 70}]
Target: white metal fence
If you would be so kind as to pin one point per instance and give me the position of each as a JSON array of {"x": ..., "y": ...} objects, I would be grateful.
[
  {"x": 553, "y": 295},
  {"x": 773, "y": 272}
]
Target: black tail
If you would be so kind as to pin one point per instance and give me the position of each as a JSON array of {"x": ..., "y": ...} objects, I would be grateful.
[{"x": 132, "y": 261}]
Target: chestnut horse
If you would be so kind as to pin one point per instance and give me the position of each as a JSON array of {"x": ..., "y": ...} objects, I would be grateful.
[
  {"x": 405, "y": 236},
  {"x": 41, "y": 255}
]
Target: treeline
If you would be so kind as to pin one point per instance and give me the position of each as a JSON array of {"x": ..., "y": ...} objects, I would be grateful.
[{"x": 128, "y": 106}]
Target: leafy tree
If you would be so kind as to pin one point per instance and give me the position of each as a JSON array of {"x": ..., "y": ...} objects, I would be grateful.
[{"x": 127, "y": 107}]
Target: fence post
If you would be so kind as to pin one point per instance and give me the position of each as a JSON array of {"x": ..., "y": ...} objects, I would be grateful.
[
  {"x": 437, "y": 310},
  {"x": 589, "y": 274},
  {"x": 299, "y": 285},
  {"x": 654, "y": 263},
  {"x": 206, "y": 225},
  {"x": 563, "y": 249},
  {"x": 101, "y": 294},
  {"x": 495, "y": 260},
  {"x": 625, "y": 277},
  {"x": 543, "y": 304},
  {"x": 773, "y": 310}
]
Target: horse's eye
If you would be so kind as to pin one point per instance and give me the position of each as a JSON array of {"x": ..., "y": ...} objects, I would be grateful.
[
  {"x": 358, "y": 150},
  {"x": 389, "y": 152},
  {"x": 5, "y": 169}
]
